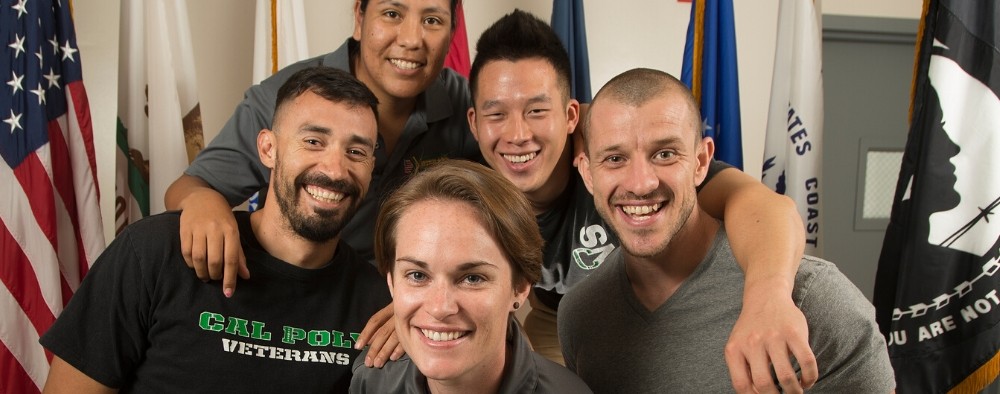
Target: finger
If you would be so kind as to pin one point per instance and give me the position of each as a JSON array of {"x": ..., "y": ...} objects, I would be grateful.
[
  {"x": 244, "y": 271},
  {"x": 233, "y": 255},
  {"x": 186, "y": 244},
  {"x": 739, "y": 370},
  {"x": 198, "y": 255},
  {"x": 215, "y": 254},
  {"x": 398, "y": 353},
  {"x": 374, "y": 324},
  {"x": 783, "y": 370},
  {"x": 379, "y": 342},
  {"x": 388, "y": 348},
  {"x": 760, "y": 372},
  {"x": 807, "y": 362}
]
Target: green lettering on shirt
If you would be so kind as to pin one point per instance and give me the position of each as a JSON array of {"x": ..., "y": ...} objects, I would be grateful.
[{"x": 210, "y": 321}]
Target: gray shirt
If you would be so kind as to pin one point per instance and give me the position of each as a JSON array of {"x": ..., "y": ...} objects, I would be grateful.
[
  {"x": 526, "y": 372},
  {"x": 617, "y": 345}
]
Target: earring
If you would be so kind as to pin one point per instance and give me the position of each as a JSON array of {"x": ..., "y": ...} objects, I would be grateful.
[{"x": 517, "y": 305}]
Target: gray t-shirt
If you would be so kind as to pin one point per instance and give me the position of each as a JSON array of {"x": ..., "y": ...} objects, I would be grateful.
[
  {"x": 436, "y": 129},
  {"x": 617, "y": 345},
  {"x": 577, "y": 240}
]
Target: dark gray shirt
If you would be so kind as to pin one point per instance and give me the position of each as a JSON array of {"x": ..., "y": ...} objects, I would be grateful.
[{"x": 527, "y": 372}]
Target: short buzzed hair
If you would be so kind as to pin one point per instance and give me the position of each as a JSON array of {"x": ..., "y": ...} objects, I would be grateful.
[
  {"x": 334, "y": 85},
  {"x": 637, "y": 86}
]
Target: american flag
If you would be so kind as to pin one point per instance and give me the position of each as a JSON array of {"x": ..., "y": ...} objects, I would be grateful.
[{"x": 50, "y": 222}]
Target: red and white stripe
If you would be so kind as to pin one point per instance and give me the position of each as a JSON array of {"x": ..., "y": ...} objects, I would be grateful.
[{"x": 51, "y": 233}]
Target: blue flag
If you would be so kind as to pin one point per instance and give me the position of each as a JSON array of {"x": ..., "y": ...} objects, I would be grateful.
[
  {"x": 710, "y": 71},
  {"x": 568, "y": 22}
]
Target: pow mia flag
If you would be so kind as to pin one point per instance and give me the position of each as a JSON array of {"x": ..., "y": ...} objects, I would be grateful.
[{"x": 937, "y": 290}]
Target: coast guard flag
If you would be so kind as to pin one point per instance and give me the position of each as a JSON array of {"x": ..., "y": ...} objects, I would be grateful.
[
  {"x": 793, "y": 158},
  {"x": 458, "y": 52},
  {"x": 710, "y": 71},
  {"x": 159, "y": 119},
  {"x": 50, "y": 219},
  {"x": 936, "y": 290},
  {"x": 569, "y": 24}
]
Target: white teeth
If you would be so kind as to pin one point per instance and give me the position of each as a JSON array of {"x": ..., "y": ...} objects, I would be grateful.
[
  {"x": 641, "y": 210},
  {"x": 323, "y": 194},
  {"x": 517, "y": 159},
  {"x": 437, "y": 336},
  {"x": 403, "y": 64}
]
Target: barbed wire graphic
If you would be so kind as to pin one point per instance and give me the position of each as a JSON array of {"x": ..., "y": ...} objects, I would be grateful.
[{"x": 988, "y": 270}]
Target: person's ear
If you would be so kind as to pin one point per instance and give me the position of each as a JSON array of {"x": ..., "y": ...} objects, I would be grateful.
[
  {"x": 388, "y": 281},
  {"x": 706, "y": 149},
  {"x": 359, "y": 15},
  {"x": 471, "y": 115},
  {"x": 266, "y": 146},
  {"x": 572, "y": 116},
  {"x": 520, "y": 295},
  {"x": 584, "y": 169}
]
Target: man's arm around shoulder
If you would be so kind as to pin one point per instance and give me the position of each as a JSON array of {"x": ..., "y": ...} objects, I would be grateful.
[{"x": 210, "y": 237}]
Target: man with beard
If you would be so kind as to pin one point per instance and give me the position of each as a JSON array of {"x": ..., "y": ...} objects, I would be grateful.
[
  {"x": 397, "y": 50},
  {"x": 141, "y": 322},
  {"x": 661, "y": 309}
]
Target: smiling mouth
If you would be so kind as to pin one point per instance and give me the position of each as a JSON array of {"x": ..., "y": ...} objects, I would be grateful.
[
  {"x": 518, "y": 159},
  {"x": 323, "y": 194},
  {"x": 639, "y": 211},
  {"x": 405, "y": 64},
  {"x": 439, "y": 336}
]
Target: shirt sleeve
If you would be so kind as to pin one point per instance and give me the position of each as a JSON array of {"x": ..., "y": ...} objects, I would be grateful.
[
  {"x": 714, "y": 167},
  {"x": 564, "y": 328},
  {"x": 102, "y": 331},
  {"x": 230, "y": 163},
  {"x": 850, "y": 351}
]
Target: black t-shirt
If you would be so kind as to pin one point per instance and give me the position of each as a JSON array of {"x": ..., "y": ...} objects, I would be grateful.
[
  {"x": 141, "y": 321},
  {"x": 577, "y": 240}
]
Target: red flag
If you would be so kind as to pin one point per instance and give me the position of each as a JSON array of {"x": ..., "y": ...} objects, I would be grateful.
[
  {"x": 458, "y": 52},
  {"x": 50, "y": 222}
]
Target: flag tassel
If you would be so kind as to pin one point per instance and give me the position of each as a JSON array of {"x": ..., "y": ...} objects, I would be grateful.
[{"x": 978, "y": 380}]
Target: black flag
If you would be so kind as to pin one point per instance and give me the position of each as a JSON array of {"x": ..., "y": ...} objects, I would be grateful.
[{"x": 937, "y": 290}]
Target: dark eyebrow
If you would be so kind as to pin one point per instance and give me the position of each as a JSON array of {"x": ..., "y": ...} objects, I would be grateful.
[
  {"x": 489, "y": 104},
  {"x": 309, "y": 127},
  {"x": 394, "y": 3},
  {"x": 605, "y": 150},
  {"x": 413, "y": 261},
  {"x": 362, "y": 140},
  {"x": 469, "y": 266},
  {"x": 355, "y": 138},
  {"x": 669, "y": 140},
  {"x": 431, "y": 9},
  {"x": 541, "y": 98},
  {"x": 660, "y": 142},
  {"x": 474, "y": 264}
]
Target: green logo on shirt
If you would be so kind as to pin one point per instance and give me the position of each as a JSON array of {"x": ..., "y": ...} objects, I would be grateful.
[{"x": 232, "y": 325}]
